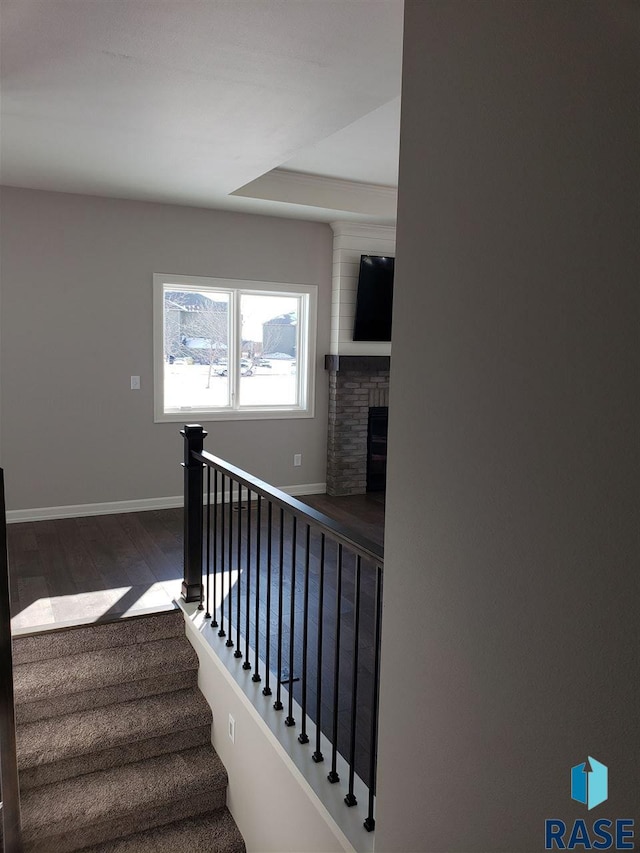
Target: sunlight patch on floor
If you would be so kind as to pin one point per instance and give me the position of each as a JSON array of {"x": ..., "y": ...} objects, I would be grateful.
[{"x": 84, "y": 607}]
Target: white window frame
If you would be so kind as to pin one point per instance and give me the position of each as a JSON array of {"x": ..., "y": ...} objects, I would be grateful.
[{"x": 305, "y": 357}]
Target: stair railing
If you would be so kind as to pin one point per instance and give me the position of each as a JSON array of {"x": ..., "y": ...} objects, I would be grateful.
[
  {"x": 299, "y": 592},
  {"x": 9, "y": 790}
]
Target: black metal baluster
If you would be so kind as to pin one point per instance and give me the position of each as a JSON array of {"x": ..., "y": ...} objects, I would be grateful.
[
  {"x": 333, "y": 774},
  {"x": 207, "y": 615},
  {"x": 292, "y": 619},
  {"x": 214, "y": 608},
  {"x": 370, "y": 823},
  {"x": 221, "y": 632},
  {"x": 350, "y": 799},
  {"x": 229, "y": 642},
  {"x": 266, "y": 690},
  {"x": 256, "y": 673},
  {"x": 303, "y": 736},
  {"x": 278, "y": 703},
  {"x": 317, "y": 755},
  {"x": 247, "y": 595},
  {"x": 238, "y": 651}
]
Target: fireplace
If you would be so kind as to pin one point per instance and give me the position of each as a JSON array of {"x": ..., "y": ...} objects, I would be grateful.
[
  {"x": 357, "y": 384},
  {"x": 377, "y": 448}
]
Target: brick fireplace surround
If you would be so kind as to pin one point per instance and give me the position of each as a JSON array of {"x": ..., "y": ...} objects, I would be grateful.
[{"x": 356, "y": 383}]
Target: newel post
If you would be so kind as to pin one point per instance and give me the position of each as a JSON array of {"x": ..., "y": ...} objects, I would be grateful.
[{"x": 194, "y": 436}]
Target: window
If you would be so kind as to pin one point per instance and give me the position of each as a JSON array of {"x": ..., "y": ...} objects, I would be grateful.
[{"x": 228, "y": 349}]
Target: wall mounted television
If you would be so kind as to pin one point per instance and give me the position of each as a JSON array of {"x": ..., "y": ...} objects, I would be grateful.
[{"x": 374, "y": 299}]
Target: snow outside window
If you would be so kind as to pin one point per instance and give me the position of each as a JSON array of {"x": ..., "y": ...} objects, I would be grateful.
[{"x": 228, "y": 349}]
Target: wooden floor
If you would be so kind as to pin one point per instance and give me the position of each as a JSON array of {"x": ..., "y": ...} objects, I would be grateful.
[
  {"x": 77, "y": 570},
  {"x": 80, "y": 570}
]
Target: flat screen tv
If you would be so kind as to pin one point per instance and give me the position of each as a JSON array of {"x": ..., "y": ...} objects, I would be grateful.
[{"x": 374, "y": 299}]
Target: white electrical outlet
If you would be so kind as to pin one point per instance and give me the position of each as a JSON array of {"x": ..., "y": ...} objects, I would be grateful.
[
  {"x": 135, "y": 383},
  {"x": 297, "y": 459},
  {"x": 232, "y": 729}
]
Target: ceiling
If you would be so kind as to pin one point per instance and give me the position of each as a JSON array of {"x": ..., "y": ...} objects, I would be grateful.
[{"x": 283, "y": 107}]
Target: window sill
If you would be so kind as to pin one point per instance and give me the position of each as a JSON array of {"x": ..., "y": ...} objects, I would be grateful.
[{"x": 202, "y": 416}]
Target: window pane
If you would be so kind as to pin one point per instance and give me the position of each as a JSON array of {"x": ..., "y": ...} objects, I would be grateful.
[
  {"x": 269, "y": 365},
  {"x": 196, "y": 338}
]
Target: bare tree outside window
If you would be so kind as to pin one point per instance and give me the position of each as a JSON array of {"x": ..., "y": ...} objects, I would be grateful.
[{"x": 197, "y": 328}]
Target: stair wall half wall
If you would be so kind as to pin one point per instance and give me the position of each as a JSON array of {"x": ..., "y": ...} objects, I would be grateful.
[{"x": 273, "y": 804}]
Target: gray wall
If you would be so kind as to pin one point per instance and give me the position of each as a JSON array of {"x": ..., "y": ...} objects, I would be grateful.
[
  {"x": 77, "y": 323},
  {"x": 510, "y": 647}
]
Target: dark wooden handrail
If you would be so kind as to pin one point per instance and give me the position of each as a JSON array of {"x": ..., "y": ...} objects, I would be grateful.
[
  {"x": 358, "y": 544},
  {"x": 8, "y": 761}
]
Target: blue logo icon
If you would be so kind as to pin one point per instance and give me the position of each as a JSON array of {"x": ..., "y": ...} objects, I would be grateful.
[{"x": 589, "y": 783}]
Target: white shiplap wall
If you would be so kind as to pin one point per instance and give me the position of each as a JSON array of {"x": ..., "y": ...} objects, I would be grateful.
[{"x": 351, "y": 240}]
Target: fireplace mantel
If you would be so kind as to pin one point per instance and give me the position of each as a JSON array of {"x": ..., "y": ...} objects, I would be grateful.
[{"x": 357, "y": 363}]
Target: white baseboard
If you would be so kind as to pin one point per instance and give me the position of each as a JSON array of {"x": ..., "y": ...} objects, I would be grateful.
[
  {"x": 47, "y": 513},
  {"x": 305, "y": 489}
]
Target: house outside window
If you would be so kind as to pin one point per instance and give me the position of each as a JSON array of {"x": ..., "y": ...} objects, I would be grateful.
[{"x": 230, "y": 350}]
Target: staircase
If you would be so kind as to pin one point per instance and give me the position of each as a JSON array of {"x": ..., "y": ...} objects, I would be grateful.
[{"x": 114, "y": 742}]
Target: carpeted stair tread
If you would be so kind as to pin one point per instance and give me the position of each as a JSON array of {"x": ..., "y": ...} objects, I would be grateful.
[
  {"x": 127, "y": 792},
  {"x": 77, "y": 734},
  {"x": 53, "y": 706},
  {"x": 209, "y": 833},
  {"x": 124, "y": 824},
  {"x": 115, "y": 756},
  {"x": 90, "y": 670},
  {"x": 79, "y": 743},
  {"x": 88, "y": 638}
]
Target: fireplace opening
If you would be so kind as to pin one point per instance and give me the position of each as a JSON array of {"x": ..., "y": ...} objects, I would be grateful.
[{"x": 377, "y": 448}]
